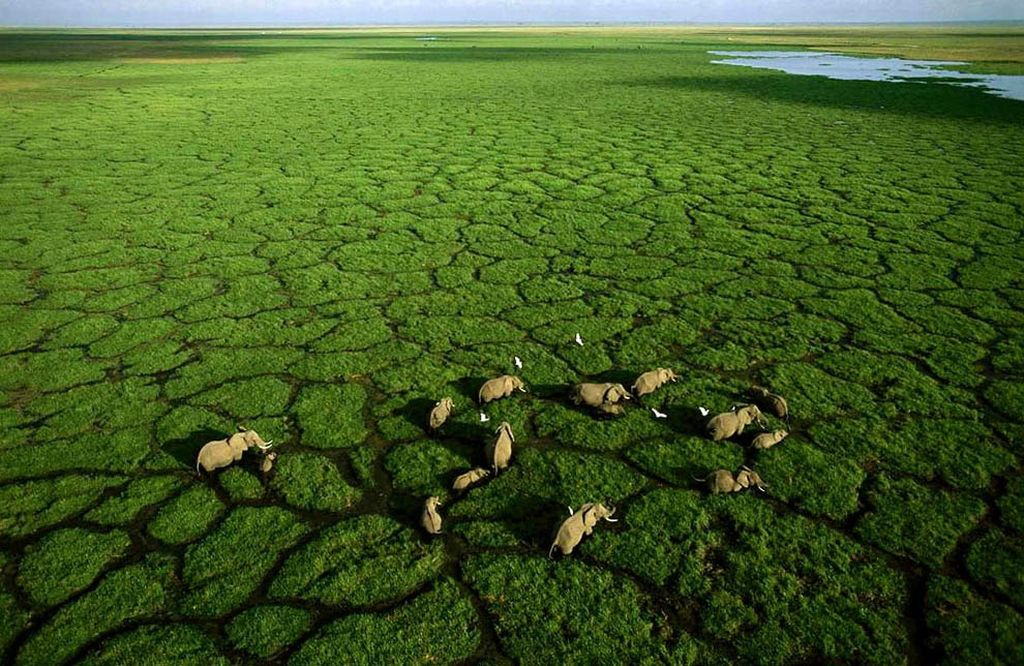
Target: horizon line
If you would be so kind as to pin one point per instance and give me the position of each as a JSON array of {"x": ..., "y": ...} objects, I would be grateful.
[{"x": 501, "y": 24}]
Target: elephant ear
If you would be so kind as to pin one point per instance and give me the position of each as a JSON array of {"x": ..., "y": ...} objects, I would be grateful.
[{"x": 238, "y": 441}]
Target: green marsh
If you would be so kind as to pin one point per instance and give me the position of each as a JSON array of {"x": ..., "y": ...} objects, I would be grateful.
[{"x": 319, "y": 234}]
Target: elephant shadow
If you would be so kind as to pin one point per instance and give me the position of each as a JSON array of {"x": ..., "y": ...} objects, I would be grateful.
[
  {"x": 550, "y": 391},
  {"x": 186, "y": 449},
  {"x": 469, "y": 387},
  {"x": 687, "y": 420},
  {"x": 617, "y": 376},
  {"x": 416, "y": 411}
]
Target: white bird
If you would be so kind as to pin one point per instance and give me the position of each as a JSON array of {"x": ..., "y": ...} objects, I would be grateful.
[
  {"x": 704, "y": 411},
  {"x": 570, "y": 511},
  {"x": 484, "y": 418},
  {"x": 518, "y": 362},
  {"x": 657, "y": 414},
  {"x": 579, "y": 340}
]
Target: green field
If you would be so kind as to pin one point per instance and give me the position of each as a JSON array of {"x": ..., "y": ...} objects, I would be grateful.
[{"x": 320, "y": 234}]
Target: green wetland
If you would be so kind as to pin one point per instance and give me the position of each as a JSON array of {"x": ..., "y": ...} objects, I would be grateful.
[{"x": 320, "y": 234}]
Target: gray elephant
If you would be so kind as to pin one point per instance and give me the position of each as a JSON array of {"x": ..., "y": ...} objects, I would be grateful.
[
  {"x": 499, "y": 452},
  {"x": 651, "y": 381},
  {"x": 721, "y": 481},
  {"x": 730, "y": 424},
  {"x": 500, "y": 387},
  {"x": 222, "y": 452},
  {"x": 431, "y": 519},
  {"x": 615, "y": 409},
  {"x": 465, "y": 480},
  {"x": 578, "y": 525},
  {"x": 748, "y": 477},
  {"x": 439, "y": 414},
  {"x": 770, "y": 402},
  {"x": 595, "y": 395},
  {"x": 766, "y": 440}
]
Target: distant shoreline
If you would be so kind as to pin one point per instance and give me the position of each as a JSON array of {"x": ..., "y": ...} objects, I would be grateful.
[{"x": 528, "y": 26}]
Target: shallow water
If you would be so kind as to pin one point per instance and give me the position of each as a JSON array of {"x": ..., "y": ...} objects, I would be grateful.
[{"x": 855, "y": 68}]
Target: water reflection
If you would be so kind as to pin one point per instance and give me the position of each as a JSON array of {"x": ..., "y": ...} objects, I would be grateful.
[{"x": 855, "y": 68}]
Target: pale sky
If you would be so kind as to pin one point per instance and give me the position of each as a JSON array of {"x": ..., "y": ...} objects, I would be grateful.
[{"x": 171, "y": 13}]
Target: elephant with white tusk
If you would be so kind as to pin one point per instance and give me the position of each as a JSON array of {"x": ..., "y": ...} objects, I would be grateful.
[
  {"x": 440, "y": 413},
  {"x": 721, "y": 481},
  {"x": 730, "y": 424},
  {"x": 500, "y": 387},
  {"x": 431, "y": 519},
  {"x": 499, "y": 452},
  {"x": 599, "y": 396},
  {"x": 651, "y": 381},
  {"x": 748, "y": 477},
  {"x": 578, "y": 525},
  {"x": 222, "y": 452}
]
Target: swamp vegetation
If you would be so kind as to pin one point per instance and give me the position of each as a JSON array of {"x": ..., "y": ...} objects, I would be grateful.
[{"x": 320, "y": 234}]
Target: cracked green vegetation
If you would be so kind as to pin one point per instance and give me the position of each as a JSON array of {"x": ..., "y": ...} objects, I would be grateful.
[{"x": 319, "y": 235}]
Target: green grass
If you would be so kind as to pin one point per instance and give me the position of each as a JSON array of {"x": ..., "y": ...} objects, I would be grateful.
[
  {"x": 265, "y": 630},
  {"x": 918, "y": 522},
  {"x": 358, "y": 562},
  {"x": 66, "y": 561},
  {"x": 187, "y": 516},
  {"x": 222, "y": 570},
  {"x": 158, "y": 644},
  {"x": 436, "y": 626},
  {"x": 320, "y": 234},
  {"x": 310, "y": 481}
]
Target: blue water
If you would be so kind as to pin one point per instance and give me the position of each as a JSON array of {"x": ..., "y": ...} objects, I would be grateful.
[{"x": 855, "y": 68}]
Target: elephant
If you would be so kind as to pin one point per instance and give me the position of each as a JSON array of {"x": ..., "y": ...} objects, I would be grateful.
[
  {"x": 222, "y": 452},
  {"x": 465, "y": 480},
  {"x": 615, "y": 409},
  {"x": 500, "y": 451},
  {"x": 767, "y": 440},
  {"x": 748, "y": 477},
  {"x": 431, "y": 519},
  {"x": 595, "y": 395},
  {"x": 268, "y": 462},
  {"x": 579, "y": 524},
  {"x": 730, "y": 424},
  {"x": 500, "y": 387},
  {"x": 439, "y": 414},
  {"x": 651, "y": 381},
  {"x": 770, "y": 402},
  {"x": 721, "y": 481}
]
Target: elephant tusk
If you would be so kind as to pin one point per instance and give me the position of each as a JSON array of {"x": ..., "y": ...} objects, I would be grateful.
[{"x": 612, "y": 520}]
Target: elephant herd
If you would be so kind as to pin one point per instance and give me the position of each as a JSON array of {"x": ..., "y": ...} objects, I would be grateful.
[{"x": 605, "y": 398}]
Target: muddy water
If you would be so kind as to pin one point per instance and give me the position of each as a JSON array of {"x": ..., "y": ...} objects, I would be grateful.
[{"x": 855, "y": 68}]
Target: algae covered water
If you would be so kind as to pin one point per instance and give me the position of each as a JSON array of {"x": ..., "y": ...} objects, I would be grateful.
[{"x": 856, "y": 68}]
